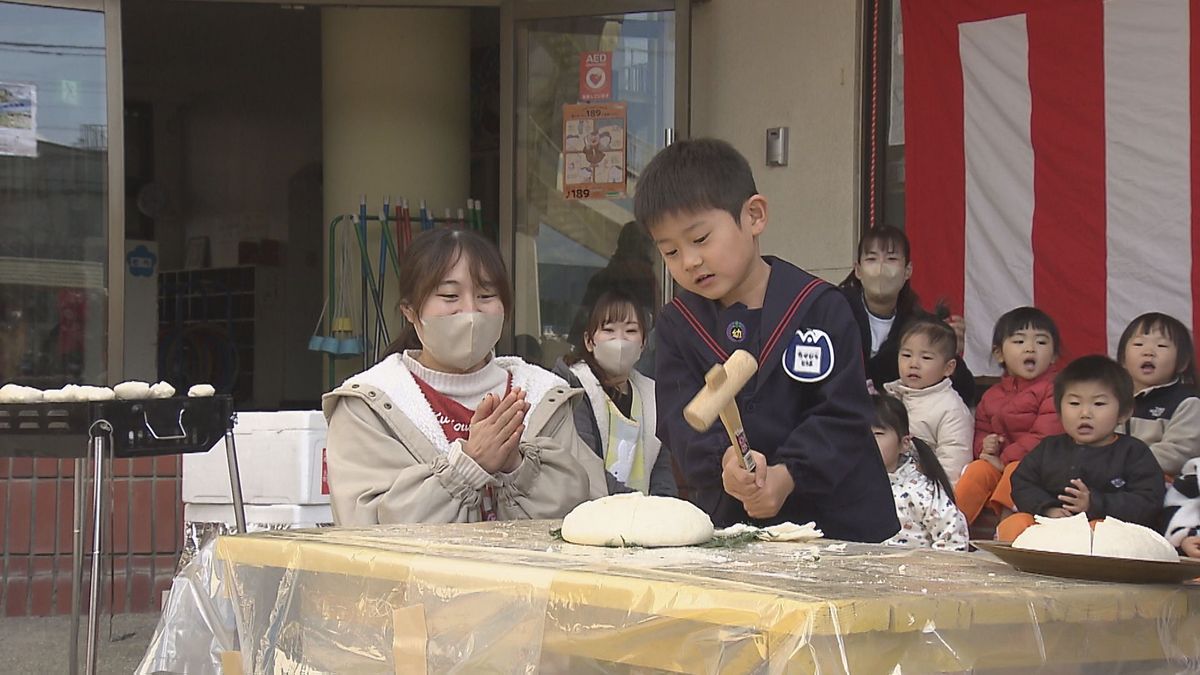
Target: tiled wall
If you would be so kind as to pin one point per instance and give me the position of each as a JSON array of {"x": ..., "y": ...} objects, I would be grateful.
[{"x": 36, "y": 516}]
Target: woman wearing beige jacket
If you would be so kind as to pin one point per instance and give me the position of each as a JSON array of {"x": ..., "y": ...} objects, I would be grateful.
[{"x": 448, "y": 432}]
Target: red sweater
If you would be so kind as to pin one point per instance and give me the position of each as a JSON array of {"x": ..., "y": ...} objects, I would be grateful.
[{"x": 1020, "y": 410}]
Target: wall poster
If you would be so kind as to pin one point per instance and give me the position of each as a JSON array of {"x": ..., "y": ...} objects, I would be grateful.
[
  {"x": 594, "y": 150},
  {"x": 18, "y": 119}
]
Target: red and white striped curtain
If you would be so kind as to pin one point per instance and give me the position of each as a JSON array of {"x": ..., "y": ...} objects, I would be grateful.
[{"x": 1051, "y": 161}]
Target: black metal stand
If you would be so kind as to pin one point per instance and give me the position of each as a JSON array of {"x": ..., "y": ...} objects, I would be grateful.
[
  {"x": 112, "y": 429},
  {"x": 77, "y": 562},
  {"x": 235, "y": 478},
  {"x": 101, "y": 450}
]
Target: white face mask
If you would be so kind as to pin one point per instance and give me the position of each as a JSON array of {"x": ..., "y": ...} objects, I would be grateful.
[
  {"x": 461, "y": 340},
  {"x": 617, "y": 357},
  {"x": 881, "y": 281}
]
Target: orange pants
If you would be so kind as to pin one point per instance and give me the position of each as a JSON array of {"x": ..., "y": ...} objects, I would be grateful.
[
  {"x": 1010, "y": 527},
  {"x": 1014, "y": 525},
  {"x": 983, "y": 485}
]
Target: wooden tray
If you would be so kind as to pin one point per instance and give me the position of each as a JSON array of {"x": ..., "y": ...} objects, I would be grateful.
[{"x": 1093, "y": 567}]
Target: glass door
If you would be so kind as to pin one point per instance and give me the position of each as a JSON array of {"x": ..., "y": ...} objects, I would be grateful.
[
  {"x": 597, "y": 93},
  {"x": 55, "y": 295}
]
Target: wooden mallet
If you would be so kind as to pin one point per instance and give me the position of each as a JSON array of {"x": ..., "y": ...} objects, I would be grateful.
[{"x": 716, "y": 399}]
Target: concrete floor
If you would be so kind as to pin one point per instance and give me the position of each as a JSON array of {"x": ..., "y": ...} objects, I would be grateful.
[{"x": 40, "y": 644}]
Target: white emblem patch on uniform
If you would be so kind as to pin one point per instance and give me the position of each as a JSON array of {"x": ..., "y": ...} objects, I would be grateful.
[{"x": 809, "y": 356}]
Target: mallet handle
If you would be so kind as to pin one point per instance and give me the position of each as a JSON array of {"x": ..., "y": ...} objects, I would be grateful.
[{"x": 731, "y": 418}]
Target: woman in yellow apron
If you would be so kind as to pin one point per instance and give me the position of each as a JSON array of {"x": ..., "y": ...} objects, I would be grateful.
[{"x": 617, "y": 417}]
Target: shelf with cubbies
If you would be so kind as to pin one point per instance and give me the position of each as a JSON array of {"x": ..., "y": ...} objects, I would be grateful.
[{"x": 207, "y": 328}]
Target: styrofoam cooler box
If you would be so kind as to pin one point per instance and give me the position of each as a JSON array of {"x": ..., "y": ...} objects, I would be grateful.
[
  {"x": 280, "y": 458},
  {"x": 259, "y": 516}
]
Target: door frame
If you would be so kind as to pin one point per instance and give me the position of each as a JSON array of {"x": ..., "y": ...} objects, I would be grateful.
[
  {"x": 115, "y": 188},
  {"x": 512, "y": 14},
  {"x": 114, "y": 68},
  {"x": 93, "y": 5}
]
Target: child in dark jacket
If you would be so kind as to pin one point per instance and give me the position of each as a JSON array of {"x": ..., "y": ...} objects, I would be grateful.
[{"x": 1090, "y": 469}]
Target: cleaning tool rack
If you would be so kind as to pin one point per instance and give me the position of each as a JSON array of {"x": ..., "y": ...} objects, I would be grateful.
[{"x": 361, "y": 329}]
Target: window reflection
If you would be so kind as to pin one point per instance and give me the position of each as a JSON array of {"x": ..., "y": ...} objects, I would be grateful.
[
  {"x": 53, "y": 246},
  {"x": 569, "y": 251}
]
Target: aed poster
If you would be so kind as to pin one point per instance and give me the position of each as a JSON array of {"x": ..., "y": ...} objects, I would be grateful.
[
  {"x": 594, "y": 150},
  {"x": 18, "y": 119},
  {"x": 595, "y": 76}
]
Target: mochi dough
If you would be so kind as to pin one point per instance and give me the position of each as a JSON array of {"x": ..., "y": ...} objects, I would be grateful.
[
  {"x": 162, "y": 390},
  {"x": 735, "y": 530},
  {"x": 65, "y": 395},
  {"x": 1112, "y": 538},
  {"x": 787, "y": 531},
  {"x": 1118, "y": 539},
  {"x": 58, "y": 395},
  {"x": 790, "y": 531},
  {"x": 132, "y": 390},
  {"x": 634, "y": 519},
  {"x": 15, "y": 393},
  {"x": 86, "y": 393},
  {"x": 201, "y": 390},
  {"x": 1057, "y": 535}
]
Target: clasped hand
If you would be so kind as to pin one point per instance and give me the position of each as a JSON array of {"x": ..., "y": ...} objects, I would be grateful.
[
  {"x": 761, "y": 492},
  {"x": 495, "y": 434},
  {"x": 990, "y": 451},
  {"x": 1076, "y": 497}
]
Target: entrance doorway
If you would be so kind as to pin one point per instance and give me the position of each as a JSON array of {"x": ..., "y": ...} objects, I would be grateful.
[{"x": 597, "y": 92}]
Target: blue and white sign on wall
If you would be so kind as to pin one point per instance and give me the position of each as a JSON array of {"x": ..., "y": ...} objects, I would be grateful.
[{"x": 141, "y": 262}]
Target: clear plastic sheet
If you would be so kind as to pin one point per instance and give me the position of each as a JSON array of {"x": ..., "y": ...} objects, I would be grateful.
[
  {"x": 196, "y": 534},
  {"x": 197, "y": 630},
  {"x": 197, "y": 625},
  {"x": 507, "y": 598}
]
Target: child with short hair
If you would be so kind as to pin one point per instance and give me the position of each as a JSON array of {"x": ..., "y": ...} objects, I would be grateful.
[
  {"x": 1015, "y": 414},
  {"x": 936, "y": 412},
  {"x": 806, "y": 413},
  {"x": 920, "y": 487},
  {"x": 1157, "y": 351},
  {"x": 1090, "y": 469}
]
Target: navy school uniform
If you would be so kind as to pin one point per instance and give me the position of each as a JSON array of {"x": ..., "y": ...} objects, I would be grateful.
[{"x": 807, "y": 406}]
